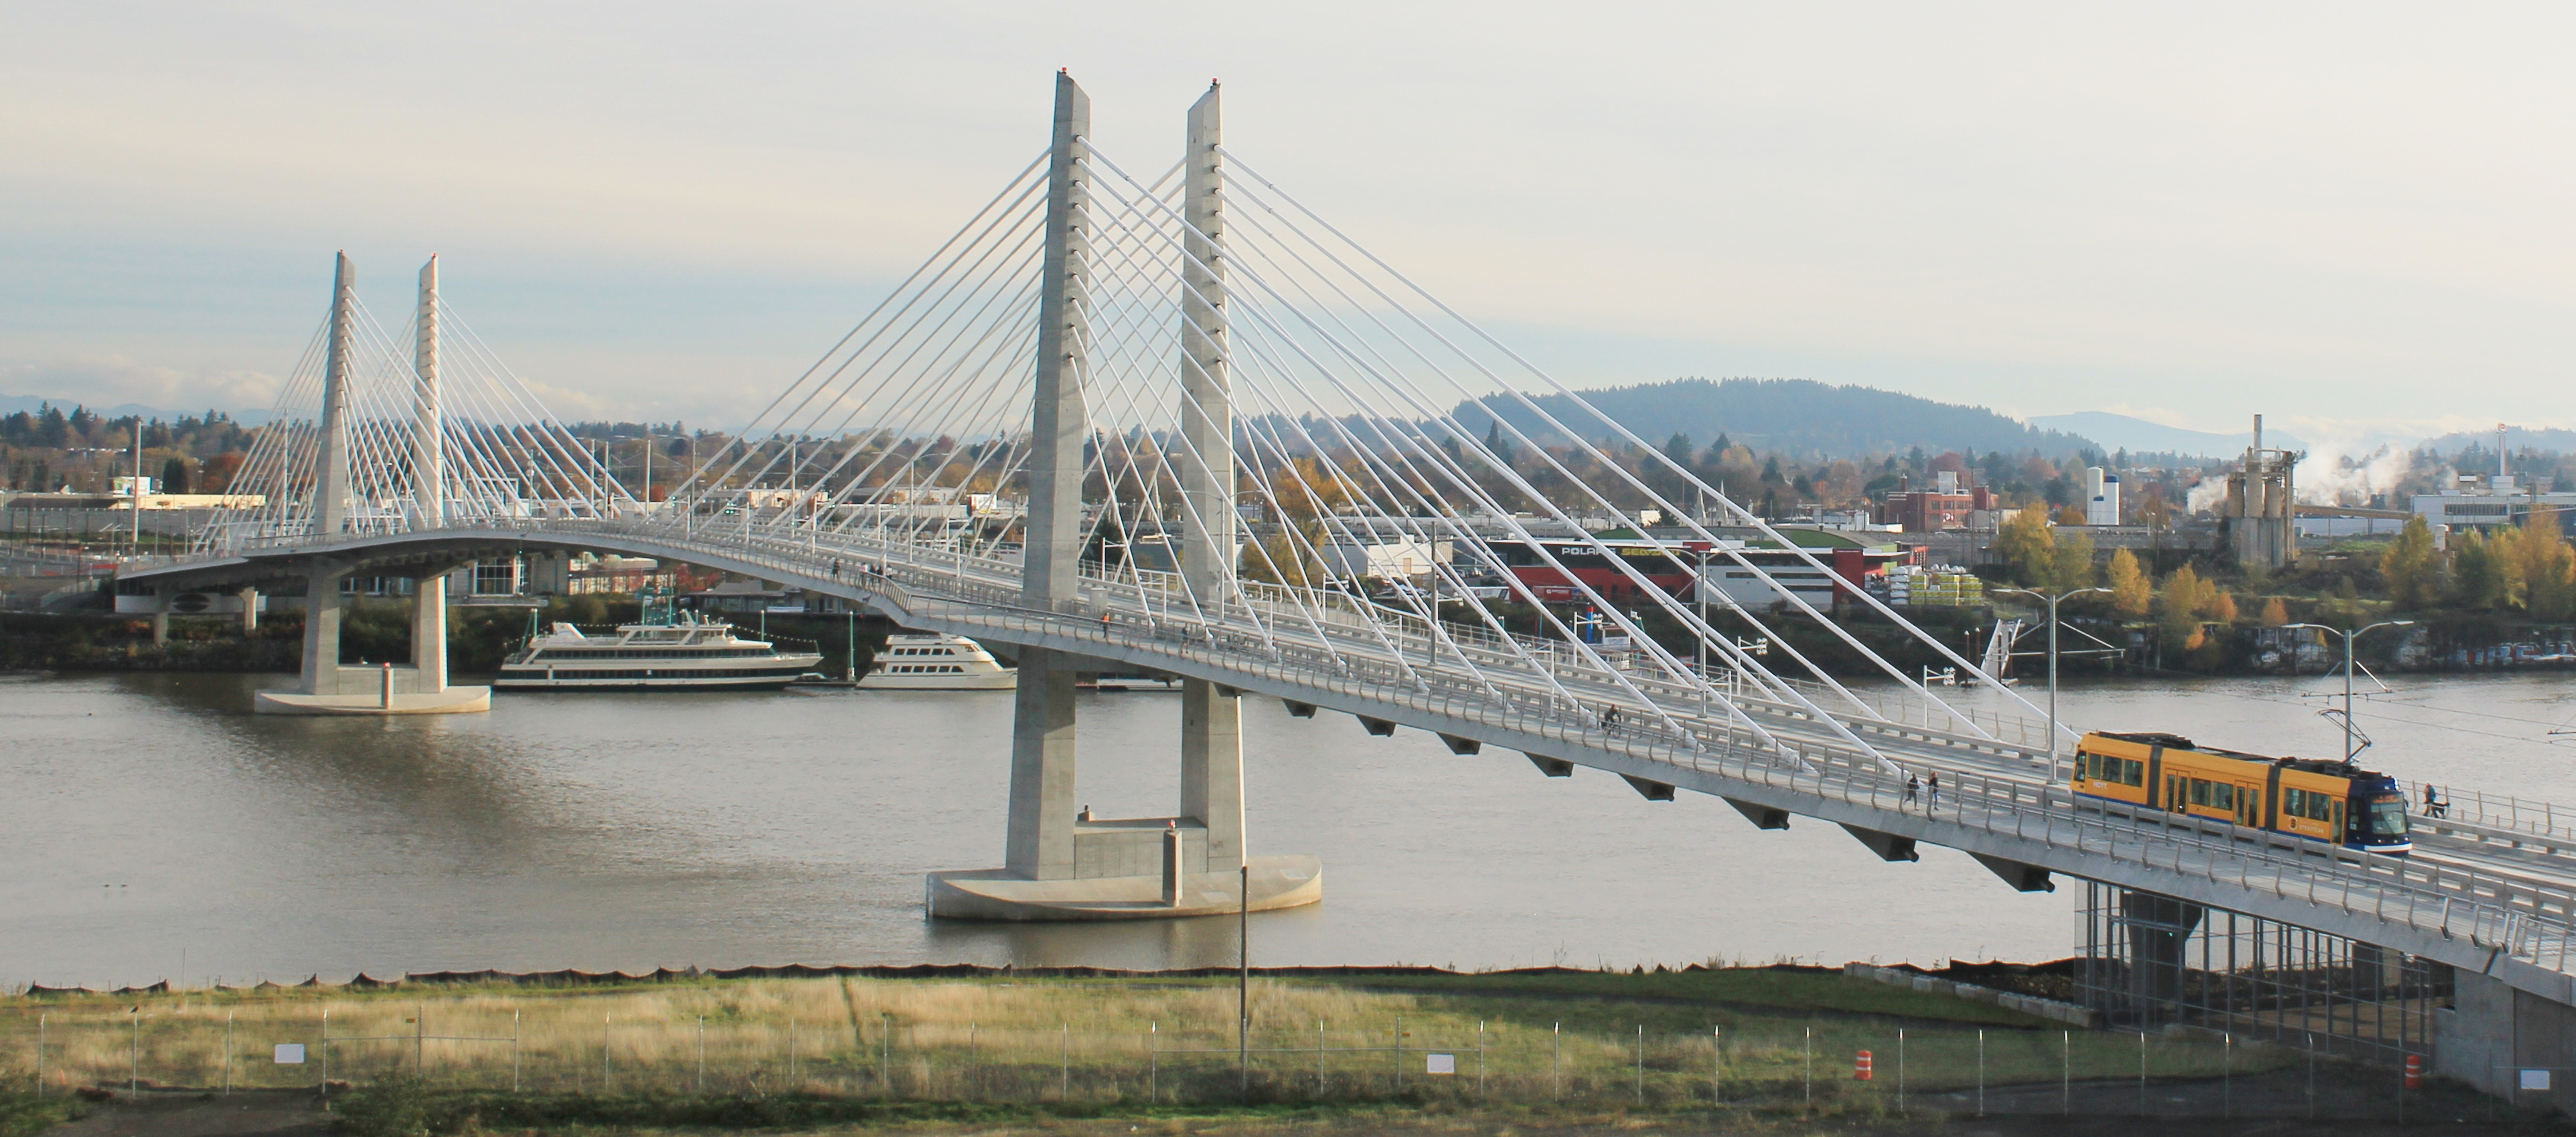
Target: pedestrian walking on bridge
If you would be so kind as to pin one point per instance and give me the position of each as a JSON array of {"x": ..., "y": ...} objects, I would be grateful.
[{"x": 1913, "y": 786}]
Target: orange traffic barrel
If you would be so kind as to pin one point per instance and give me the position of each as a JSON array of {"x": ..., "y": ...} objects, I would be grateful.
[
  {"x": 1860, "y": 1067},
  {"x": 2414, "y": 1071}
]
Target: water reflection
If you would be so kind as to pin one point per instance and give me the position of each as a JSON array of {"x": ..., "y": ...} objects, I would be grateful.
[{"x": 152, "y": 814}]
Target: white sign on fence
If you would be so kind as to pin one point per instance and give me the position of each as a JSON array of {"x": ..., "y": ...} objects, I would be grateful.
[
  {"x": 290, "y": 1054},
  {"x": 1441, "y": 1063},
  {"x": 2535, "y": 1080}
]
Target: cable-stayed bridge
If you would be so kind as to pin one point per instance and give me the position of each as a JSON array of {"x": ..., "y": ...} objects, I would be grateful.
[{"x": 1165, "y": 417}]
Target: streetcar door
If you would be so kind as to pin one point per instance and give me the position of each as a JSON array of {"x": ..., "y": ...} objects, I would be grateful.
[{"x": 2245, "y": 804}]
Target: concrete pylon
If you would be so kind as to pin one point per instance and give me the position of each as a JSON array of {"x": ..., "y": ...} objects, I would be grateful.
[
  {"x": 1060, "y": 864},
  {"x": 1211, "y": 717},
  {"x": 1040, "y": 844},
  {"x": 323, "y": 688},
  {"x": 429, "y": 485},
  {"x": 330, "y": 507}
]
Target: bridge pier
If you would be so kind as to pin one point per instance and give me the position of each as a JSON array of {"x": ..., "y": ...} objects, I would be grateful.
[
  {"x": 1060, "y": 864},
  {"x": 323, "y": 688}
]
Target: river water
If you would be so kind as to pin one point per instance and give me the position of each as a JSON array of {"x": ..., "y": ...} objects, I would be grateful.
[{"x": 156, "y": 829}]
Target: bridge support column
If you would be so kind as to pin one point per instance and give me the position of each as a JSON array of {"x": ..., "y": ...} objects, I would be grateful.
[
  {"x": 320, "y": 691},
  {"x": 249, "y": 609},
  {"x": 322, "y": 611},
  {"x": 161, "y": 618},
  {"x": 1212, "y": 770},
  {"x": 1060, "y": 865},
  {"x": 429, "y": 635},
  {"x": 1040, "y": 845},
  {"x": 2159, "y": 929}
]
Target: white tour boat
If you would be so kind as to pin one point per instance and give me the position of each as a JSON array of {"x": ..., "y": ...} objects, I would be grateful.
[
  {"x": 912, "y": 662},
  {"x": 688, "y": 655}
]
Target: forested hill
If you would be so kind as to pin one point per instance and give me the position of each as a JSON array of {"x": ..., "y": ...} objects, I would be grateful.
[{"x": 1793, "y": 416}]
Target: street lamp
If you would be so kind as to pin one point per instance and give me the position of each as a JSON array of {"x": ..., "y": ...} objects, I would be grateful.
[
  {"x": 2052, "y": 661},
  {"x": 2348, "y": 752}
]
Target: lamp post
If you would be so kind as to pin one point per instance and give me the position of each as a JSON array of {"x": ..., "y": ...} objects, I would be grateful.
[
  {"x": 2052, "y": 661},
  {"x": 2348, "y": 637}
]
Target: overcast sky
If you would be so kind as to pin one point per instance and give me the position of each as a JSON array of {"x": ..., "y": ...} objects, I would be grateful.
[{"x": 2344, "y": 216}]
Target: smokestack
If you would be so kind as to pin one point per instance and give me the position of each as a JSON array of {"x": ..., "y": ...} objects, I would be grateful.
[{"x": 2258, "y": 432}]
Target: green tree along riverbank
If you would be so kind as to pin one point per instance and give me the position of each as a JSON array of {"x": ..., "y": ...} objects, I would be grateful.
[{"x": 373, "y": 631}]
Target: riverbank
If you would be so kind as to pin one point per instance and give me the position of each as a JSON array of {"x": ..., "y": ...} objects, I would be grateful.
[{"x": 1538, "y": 1051}]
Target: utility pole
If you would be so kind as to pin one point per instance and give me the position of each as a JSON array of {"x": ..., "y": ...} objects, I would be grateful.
[
  {"x": 2052, "y": 662},
  {"x": 2349, "y": 750}
]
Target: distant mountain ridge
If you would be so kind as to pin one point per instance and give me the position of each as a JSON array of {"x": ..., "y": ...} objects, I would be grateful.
[
  {"x": 1796, "y": 416},
  {"x": 2125, "y": 432}
]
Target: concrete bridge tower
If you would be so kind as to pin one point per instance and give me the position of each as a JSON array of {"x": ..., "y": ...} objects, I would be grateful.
[
  {"x": 325, "y": 687},
  {"x": 1060, "y": 863}
]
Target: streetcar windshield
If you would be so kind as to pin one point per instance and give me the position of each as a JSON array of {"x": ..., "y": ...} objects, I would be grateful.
[{"x": 2388, "y": 819}]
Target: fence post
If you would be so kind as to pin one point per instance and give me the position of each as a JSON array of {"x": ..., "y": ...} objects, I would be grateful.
[
  {"x": 228, "y": 1056},
  {"x": 1556, "y": 1060},
  {"x": 1319, "y": 1058},
  {"x": 419, "y": 1029},
  {"x": 1811, "y": 1066},
  {"x": 134, "y": 1057},
  {"x": 1480, "y": 1060},
  {"x": 1716, "y": 1065},
  {"x": 514, "y": 1049},
  {"x": 2066, "y": 1072},
  {"x": 2142, "y": 1073},
  {"x": 40, "y": 1055},
  {"x": 1064, "y": 1072},
  {"x": 1154, "y": 1060},
  {"x": 2227, "y": 1075},
  {"x": 1900, "y": 1069},
  {"x": 702, "y": 1054},
  {"x": 1981, "y": 1071}
]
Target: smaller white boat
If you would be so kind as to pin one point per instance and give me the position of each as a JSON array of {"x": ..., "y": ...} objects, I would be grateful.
[{"x": 912, "y": 662}]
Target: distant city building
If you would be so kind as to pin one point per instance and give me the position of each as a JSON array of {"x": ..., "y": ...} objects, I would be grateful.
[
  {"x": 2101, "y": 497},
  {"x": 1945, "y": 506}
]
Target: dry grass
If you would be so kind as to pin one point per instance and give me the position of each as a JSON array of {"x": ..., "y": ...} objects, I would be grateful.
[{"x": 1067, "y": 1041}]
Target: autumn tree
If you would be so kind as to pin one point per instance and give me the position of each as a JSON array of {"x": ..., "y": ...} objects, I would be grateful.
[
  {"x": 2275, "y": 613},
  {"x": 2027, "y": 546},
  {"x": 2072, "y": 565},
  {"x": 2548, "y": 567},
  {"x": 2179, "y": 609},
  {"x": 2132, "y": 594},
  {"x": 2412, "y": 567}
]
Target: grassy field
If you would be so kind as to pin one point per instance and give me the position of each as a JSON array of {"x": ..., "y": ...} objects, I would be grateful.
[{"x": 1661, "y": 1041}]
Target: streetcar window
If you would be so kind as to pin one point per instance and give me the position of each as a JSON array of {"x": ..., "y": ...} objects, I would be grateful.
[
  {"x": 2222, "y": 796},
  {"x": 2388, "y": 818},
  {"x": 2199, "y": 792},
  {"x": 2133, "y": 772}
]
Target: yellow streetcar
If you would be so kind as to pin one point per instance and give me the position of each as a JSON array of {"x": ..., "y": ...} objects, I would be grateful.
[{"x": 2322, "y": 801}]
